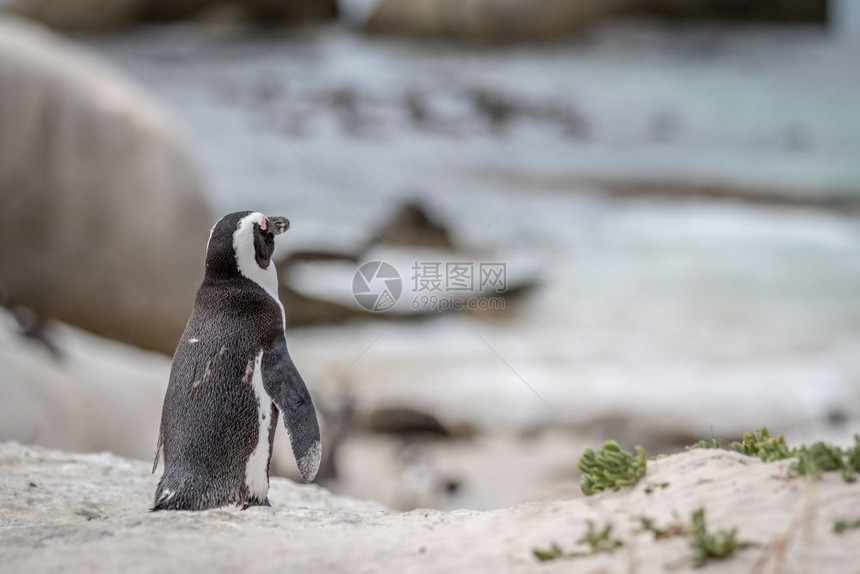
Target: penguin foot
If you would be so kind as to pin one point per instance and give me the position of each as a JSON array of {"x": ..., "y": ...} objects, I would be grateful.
[{"x": 249, "y": 503}]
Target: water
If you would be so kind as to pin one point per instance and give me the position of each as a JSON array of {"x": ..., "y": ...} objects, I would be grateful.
[{"x": 669, "y": 311}]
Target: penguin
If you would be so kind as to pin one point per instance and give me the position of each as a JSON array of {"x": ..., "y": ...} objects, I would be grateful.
[{"x": 231, "y": 378}]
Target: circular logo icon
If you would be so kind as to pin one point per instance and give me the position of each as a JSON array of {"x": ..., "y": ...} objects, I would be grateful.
[{"x": 377, "y": 286}]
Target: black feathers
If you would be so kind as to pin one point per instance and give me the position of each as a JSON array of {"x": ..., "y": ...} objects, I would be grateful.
[{"x": 211, "y": 419}]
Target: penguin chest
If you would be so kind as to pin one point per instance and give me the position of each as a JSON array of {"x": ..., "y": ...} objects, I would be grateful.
[{"x": 257, "y": 470}]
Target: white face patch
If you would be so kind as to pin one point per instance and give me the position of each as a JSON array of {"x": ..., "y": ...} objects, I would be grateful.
[
  {"x": 257, "y": 470},
  {"x": 246, "y": 260}
]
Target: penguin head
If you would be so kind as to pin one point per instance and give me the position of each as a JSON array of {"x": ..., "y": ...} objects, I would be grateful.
[{"x": 242, "y": 244}]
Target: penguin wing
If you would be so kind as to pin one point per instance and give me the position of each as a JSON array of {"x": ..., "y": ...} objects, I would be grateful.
[{"x": 286, "y": 388}]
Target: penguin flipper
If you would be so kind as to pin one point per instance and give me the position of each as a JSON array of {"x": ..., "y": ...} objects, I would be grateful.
[{"x": 285, "y": 387}]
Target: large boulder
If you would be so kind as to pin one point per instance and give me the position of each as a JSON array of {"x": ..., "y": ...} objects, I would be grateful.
[
  {"x": 76, "y": 15},
  {"x": 742, "y": 10},
  {"x": 79, "y": 392},
  {"x": 102, "y": 222},
  {"x": 107, "y": 15},
  {"x": 490, "y": 20}
]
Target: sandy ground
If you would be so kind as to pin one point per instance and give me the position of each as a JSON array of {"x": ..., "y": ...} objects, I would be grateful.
[{"x": 88, "y": 513}]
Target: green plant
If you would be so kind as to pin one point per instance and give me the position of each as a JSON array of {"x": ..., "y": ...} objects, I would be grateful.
[
  {"x": 713, "y": 443},
  {"x": 811, "y": 461},
  {"x": 673, "y": 529},
  {"x": 610, "y": 468},
  {"x": 707, "y": 546},
  {"x": 654, "y": 486},
  {"x": 762, "y": 445},
  {"x": 551, "y": 553},
  {"x": 851, "y": 461},
  {"x": 841, "y": 526},
  {"x": 820, "y": 457},
  {"x": 597, "y": 540}
]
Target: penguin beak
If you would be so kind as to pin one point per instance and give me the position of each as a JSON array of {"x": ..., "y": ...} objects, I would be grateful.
[{"x": 278, "y": 224}]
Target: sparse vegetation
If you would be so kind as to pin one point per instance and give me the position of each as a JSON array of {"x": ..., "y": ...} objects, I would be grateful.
[
  {"x": 820, "y": 457},
  {"x": 762, "y": 445},
  {"x": 654, "y": 486},
  {"x": 705, "y": 545},
  {"x": 703, "y": 443},
  {"x": 675, "y": 528},
  {"x": 552, "y": 553},
  {"x": 610, "y": 468},
  {"x": 841, "y": 526},
  {"x": 709, "y": 546},
  {"x": 811, "y": 461},
  {"x": 597, "y": 540}
]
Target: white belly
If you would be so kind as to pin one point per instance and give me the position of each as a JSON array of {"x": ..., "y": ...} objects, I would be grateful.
[{"x": 256, "y": 473}]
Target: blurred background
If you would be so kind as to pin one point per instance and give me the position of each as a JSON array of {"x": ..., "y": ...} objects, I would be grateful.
[{"x": 673, "y": 188}]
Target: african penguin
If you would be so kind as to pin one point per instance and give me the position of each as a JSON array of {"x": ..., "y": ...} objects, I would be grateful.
[{"x": 230, "y": 378}]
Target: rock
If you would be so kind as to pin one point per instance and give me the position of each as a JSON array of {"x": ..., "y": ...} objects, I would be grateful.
[
  {"x": 490, "y": 20},
  {"x": 78, "y": 15},
  {"x": 748, "y": 10},
  {"x": 102, "y": 221},
  {"x": 338, "y": 424},
  {"x": 92, "y": 394},
  {"x": 407, "y": 422},
  {"x": 108, "y": 15},
  {"x": 303, "y": 310},
  {"x": 411, "y": 225},
  {"x": 89, "y": 513}
]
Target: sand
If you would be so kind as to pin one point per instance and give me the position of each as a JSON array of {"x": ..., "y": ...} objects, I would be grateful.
[{"x": 89, "y": 513}]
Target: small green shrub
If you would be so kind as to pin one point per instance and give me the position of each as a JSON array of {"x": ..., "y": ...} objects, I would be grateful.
[
  {"x": 610, "y": 468},
  {"x": 597, "y": 540},
  {"x": 713, "y": 443},
  {"x": 762, "y": 445},
  {"x": 707, "y": 546},
  {"x": 654, "y": 486},
  {"x": 552, "y": 553},
  {"x": 673, "y": 529},
  {"x": 841, "y": 526},
  {"x": 811, "y": 461},
  {"x": 820, "y": 457}
]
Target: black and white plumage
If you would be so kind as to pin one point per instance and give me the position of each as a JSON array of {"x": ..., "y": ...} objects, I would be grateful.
[{"x": 231, "y": 376}]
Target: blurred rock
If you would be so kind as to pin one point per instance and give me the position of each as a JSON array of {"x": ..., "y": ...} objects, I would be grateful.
[
  {"x": 100, "y": 396},
  {"x": 107, "y": 15},
  {"x": 306, "y": 255},
  {"x": 490, "y": 20},
  {"x": 412, "y": 226},
  {"x": 78, "y": 15},
  {"x": 512, "y": 20},
  {"x": 748, "y": 10},
  {"x": 338, "y": 416},
  {"x": 102, "y": 221},
  {"x": 407, "y": 422},
  {"x": 305, "y": 310}
]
